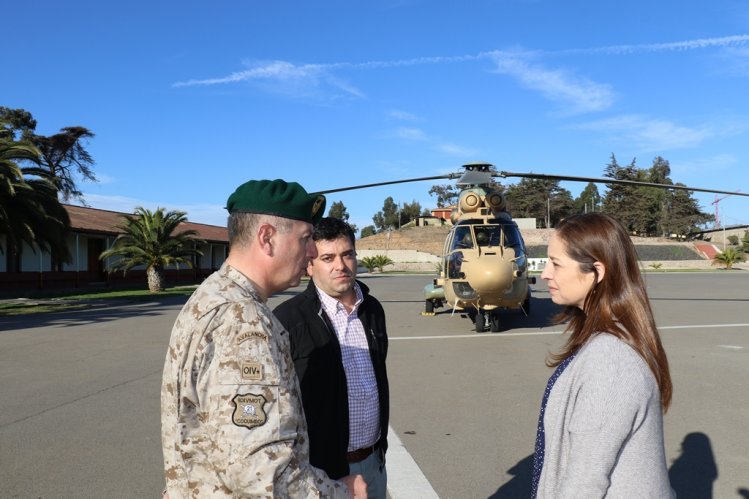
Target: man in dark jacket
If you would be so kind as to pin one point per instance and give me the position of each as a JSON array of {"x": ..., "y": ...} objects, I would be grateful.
[{"x": 339, "y": 345}]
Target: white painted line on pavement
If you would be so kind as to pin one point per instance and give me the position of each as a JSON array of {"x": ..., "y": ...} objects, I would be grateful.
[
  {"x": 703, "y": 325},
  {"x": 541, "y": 333},
  {"x": 471, "y": 336},
  {"x": 405, "y": 478}
]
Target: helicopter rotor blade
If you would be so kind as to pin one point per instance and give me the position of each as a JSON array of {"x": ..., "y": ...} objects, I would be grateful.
[
  {"x": 391, "y": 182},
  {"x": 636, "y": 183}
]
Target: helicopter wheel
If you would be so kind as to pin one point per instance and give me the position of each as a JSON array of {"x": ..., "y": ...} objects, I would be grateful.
[
  {"x": 429, "y": 307},
  {"x": 494, "y": 322},
  {"x": 480, "y": 322}
]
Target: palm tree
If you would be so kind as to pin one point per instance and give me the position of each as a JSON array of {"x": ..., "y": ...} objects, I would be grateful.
[
  {"x": 29, "y": 209},
  {"x": 728, "y": 257},
  {"x": 149, "y": 239}
]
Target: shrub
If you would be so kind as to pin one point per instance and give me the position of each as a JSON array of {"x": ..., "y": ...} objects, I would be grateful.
[
  {"x": 369, "y": 262},
  {"x": 728, "y": 257},
  {"x": 381, "y": 261}
]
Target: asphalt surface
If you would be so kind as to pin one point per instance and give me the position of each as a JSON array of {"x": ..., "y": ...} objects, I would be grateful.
[{"x": 79, "y": 396}]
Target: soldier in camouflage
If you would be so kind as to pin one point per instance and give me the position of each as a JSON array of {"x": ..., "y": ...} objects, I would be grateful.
[{"x": 232, "y": 423}]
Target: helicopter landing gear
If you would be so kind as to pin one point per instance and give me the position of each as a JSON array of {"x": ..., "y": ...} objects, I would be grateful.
[
  {"x": 493, "y": 322},
  {"x": 480, "y": 322},
  {"x": 527, "y": 304},
  {"x": 481, "y": 319},
  {"x": 429, "y": 307}
]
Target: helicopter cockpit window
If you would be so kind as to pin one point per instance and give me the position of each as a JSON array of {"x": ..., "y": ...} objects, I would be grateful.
[
  {"x": 514, "y": 240},
  {"x": 462, "y": 239},
  {"x": 505, "y": 234},
  {"x": 488, "y": 235}
]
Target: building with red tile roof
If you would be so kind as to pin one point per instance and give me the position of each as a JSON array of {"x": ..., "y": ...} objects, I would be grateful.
[{"x": 93, "y": 231}]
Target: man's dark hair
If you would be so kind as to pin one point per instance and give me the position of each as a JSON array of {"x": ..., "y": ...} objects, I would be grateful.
[{"x": 331, "y": 228}]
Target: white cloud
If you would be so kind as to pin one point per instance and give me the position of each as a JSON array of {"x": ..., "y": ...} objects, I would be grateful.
[
  {"x": 576, "y": 94},
  {"x": 410, "y": 134},
  {"x": 650, "y": 134},
  {"x": 456, "y": 150},
  {"x": 104, "y": 179},
  {"x": 718, "y": 162},
  {"x": 735, "y": 61},
  {"x": 397, "y": 114}
]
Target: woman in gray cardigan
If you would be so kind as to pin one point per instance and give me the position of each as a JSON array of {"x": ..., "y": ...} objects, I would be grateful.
[{"x": 600, "y": 431}]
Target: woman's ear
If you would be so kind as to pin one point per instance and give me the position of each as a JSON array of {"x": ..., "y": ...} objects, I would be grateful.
[{"x": 600, "y": 271}]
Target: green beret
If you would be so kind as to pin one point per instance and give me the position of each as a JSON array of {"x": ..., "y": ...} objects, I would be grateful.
[{"x": 277, "y": 197}]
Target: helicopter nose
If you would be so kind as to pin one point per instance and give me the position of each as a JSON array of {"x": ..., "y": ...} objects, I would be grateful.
[{"x": 489, "y": 275}]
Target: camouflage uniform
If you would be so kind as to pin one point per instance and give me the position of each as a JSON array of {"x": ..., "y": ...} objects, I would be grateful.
[{"x": 232, "y": 423}]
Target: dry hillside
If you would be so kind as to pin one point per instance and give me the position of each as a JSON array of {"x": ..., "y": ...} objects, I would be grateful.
[{"x": 431, "y": 240}]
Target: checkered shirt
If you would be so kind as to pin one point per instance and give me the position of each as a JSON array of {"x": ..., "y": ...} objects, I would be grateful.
[{"x": 363, "y": 399}]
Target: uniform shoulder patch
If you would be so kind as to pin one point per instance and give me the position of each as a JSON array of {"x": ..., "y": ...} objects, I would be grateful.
[
  {"x": 252, "y": 371},
  {"x": 249, "y": 410},
  {"x": 251, "y": 334}
]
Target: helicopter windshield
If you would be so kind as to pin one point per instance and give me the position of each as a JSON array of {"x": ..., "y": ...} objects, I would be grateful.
[
  {"x": 484, "y": 235},
  {"x": 463, "y": 238}
]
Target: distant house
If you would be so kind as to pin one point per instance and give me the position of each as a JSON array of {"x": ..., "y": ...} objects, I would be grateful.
[
  {"x": 443, "y": 213},
  {"x": 428, "y": 220},
  {"x": 93, "y": 231}
]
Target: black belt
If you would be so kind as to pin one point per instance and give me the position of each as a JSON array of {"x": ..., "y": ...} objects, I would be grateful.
[{"x": 360, "y": 454}]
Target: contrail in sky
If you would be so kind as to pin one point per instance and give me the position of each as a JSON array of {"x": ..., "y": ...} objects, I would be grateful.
[{"x": 289, "y": 71}]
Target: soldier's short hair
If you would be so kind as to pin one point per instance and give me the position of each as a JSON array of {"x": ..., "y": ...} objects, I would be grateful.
[{"x": 243, "y": 226}]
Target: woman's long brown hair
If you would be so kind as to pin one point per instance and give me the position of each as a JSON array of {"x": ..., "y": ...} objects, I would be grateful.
[{"x": 617, "y": 305}]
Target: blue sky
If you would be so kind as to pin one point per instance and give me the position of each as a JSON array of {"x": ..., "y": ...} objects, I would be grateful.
[{"x": 190, "y": 99}]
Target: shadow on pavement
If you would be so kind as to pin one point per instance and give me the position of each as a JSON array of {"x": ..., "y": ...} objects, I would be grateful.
[
  {"x": 97, "y": 311},
  {"x": 520, "y": 483},
  {"x": 692, "y": 473}
]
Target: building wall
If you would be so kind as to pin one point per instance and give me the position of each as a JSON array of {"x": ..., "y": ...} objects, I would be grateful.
[
  {"x": 36, "y": 267},
  {"x": 525, "y": 223}
]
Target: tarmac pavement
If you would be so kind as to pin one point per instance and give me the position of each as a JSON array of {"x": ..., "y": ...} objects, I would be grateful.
[{"x": 79, "y": 398}]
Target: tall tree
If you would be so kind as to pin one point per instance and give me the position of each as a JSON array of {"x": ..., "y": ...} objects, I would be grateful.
[
  {"x": 387, "y": 218},
  {"x": 153, "y": 239},
  {"x": 682, "y": 214},
  {"x": 338, "y": 210},
  {"x": 367, "y": 231},
  {"x": 619, "y": 199},
  {"x": 589, "y": 199},
  {"x": 30, "y": 212},
  {"x": 408, "y": 212},
  {"x": 544, "y": 200},
  {"x": 63, "y": 156},
  {"x": 652, "y": 203},
  {"x": 651, "y": 211},
  {"x": 447, "y": 194}
]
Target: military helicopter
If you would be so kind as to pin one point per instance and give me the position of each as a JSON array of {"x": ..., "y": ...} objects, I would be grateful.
[{"x": 484, "y": 267}]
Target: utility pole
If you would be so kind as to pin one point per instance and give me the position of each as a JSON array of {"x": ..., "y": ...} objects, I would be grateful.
[{"x": 717, "y": 216}]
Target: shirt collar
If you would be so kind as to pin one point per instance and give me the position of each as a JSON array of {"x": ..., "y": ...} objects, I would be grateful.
[
  {"x": 332, "y": 306},
  {"x": 241, "y": 280}
]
